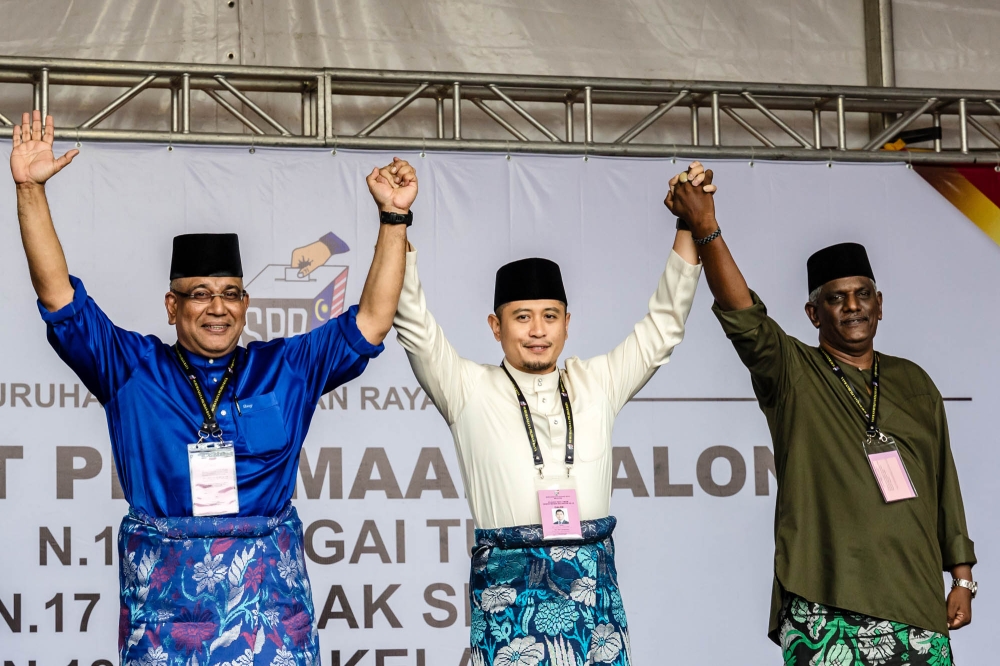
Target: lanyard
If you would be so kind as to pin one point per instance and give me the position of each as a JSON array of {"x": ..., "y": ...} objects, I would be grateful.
[
  {"x": 529, "y": 425},
  {"x": 210, "y": 426},
  {"x": 872, "y": 418}
]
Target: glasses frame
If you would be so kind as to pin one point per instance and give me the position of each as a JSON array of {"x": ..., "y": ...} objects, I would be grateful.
[{"x": 190, "y": 296}]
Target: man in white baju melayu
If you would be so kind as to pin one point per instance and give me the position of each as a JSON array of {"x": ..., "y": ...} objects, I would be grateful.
[{"x": 533, "y": 439}]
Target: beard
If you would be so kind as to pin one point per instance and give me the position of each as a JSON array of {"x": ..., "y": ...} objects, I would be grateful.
[{"x": 538, "y": 366}]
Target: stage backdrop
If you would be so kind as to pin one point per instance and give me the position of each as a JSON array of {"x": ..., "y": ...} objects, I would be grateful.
[{"x": 387, "y": 525}]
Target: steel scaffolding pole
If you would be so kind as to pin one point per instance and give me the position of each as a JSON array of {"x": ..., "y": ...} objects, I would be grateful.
[{"x": 340, "y": 108}]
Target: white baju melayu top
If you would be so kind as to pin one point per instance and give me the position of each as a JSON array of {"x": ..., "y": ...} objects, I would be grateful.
[{"x": 480, "y": 406}]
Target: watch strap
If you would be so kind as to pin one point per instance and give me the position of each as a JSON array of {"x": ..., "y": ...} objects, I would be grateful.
[
  {"x": 971, "y": 586},
  {"x": 396, "y": 218}
]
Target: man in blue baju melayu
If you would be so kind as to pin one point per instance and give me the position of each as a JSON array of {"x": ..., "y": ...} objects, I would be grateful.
[{"x": 206, "y": 434}]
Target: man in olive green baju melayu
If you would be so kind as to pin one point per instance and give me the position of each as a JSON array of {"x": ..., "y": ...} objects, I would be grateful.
[{"x": 857, "y": 560}]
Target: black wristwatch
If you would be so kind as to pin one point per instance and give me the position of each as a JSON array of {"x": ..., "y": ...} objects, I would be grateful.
[
  {"x": 395, "y": 218},
  {"x": 682, "y": 225}
]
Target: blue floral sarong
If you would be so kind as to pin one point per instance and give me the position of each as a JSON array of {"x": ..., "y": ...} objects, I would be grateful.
[
  {"x": 220, "y": 591},
  {"x": 547, "y": 602}
]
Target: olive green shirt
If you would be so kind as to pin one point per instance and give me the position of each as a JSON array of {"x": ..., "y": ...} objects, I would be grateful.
[{"x": 836, "y": 541}]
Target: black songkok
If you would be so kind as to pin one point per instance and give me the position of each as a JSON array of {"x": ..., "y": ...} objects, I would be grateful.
[
  {"x": 206, "y": 255},
  {"x": 838, "y": 261},
  {"x": 528, "y": 280}
]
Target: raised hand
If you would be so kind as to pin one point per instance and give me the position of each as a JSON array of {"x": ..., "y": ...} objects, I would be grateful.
[
  {"x": 691, "y": 198},
  {"x": 394, "y": 186},
  {"x": 32, "y": 161}
]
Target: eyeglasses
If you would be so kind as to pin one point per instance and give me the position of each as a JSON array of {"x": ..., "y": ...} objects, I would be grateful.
[{"x": 204, "y": 296}]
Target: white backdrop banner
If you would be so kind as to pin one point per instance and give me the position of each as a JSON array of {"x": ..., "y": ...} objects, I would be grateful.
[{"x": 387, "y": 525}]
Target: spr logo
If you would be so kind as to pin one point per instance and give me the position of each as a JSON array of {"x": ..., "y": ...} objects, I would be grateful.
[{"x": 294, "y": 298}]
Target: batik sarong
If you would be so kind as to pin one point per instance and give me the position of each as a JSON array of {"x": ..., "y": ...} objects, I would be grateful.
[
  {"x": 817, "y": 635},
  {"x": 215, "y": 591},
  {"x": 538, "y": 602}
]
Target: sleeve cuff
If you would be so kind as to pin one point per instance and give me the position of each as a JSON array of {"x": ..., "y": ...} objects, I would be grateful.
[
  {"x": 67, "y": 311},
  {"x": 960, "y": 551},
  {"x": 679, "y": 264},
  {"x": 736, "y": 322},
  {"x": 334, "y": 243},
  {"x": 348, "y": 323}
]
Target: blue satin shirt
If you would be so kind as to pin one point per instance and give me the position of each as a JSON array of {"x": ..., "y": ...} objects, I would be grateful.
[{"x": 153, "y": 413}]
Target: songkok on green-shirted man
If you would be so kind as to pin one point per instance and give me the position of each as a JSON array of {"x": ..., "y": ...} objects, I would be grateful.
[{"x": 853, "y": 573}]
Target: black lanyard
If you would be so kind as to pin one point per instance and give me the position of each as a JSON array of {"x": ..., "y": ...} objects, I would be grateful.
[
  {"x": 872, "y": 417},
  {"x": 529, "y": 425},
  {"x": 210, "y": 426}
]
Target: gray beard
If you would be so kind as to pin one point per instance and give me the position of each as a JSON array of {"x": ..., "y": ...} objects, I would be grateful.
[{"x": 538, "y": 366}]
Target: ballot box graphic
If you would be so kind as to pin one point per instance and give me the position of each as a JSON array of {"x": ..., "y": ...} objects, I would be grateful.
[{"x": 282, "y": 304}]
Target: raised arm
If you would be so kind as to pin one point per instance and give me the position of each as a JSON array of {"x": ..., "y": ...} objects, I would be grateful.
[
  {"x": 759, "y": 341},
  {"x": 692, "y": 199},
  {"x": 394, "y": 188},
  {"x": 32, "y": 163},
  {"x": 441, "y": 372},
  {"x": 627, "y": 368}
]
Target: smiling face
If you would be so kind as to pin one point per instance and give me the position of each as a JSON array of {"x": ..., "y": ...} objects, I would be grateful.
[
  {"x": 210, "y": 329},
  {"x": 531, "y": 333},
  {"x": 847, "y": 312}
]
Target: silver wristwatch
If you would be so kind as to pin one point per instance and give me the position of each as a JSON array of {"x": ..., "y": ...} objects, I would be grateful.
[{"x": 967, "y": 584}]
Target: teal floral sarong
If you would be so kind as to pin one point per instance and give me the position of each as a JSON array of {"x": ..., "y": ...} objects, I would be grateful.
[
  {"x": 816, "y": 635},
  {"x": 537, "y": 602}
]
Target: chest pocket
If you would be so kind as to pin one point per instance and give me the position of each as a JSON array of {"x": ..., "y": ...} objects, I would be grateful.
[
  {"x": 588, "y": 434},
  {"x": 261, "y": 424}
]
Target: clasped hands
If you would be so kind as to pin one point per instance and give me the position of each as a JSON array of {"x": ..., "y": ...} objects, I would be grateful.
[{"x": 691, "y": 198}]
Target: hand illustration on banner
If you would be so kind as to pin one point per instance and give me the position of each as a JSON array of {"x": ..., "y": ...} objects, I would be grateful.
[{"x": 310, "y": 257}]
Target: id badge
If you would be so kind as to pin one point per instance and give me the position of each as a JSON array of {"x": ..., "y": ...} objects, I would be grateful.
[
  {"x": 890, "y": 472},
  {"x": 559, "y": 509},
  {"x": 213, "y": 478}
]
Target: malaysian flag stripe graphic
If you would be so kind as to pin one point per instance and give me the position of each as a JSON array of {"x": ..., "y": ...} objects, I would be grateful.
[{"x": 339, "y": 293}]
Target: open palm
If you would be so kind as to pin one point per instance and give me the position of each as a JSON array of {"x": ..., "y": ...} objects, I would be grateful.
[{"x": 32, "y": 160}]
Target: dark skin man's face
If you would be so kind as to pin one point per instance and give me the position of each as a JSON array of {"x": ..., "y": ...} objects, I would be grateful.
[{"x": 847, "y": 314}]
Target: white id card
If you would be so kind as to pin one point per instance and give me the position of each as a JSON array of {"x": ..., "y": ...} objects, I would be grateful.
[{"x": 213, "y": 478}]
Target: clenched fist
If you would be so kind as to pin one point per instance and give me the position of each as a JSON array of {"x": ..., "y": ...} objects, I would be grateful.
[{"x": 394, "y": 186}]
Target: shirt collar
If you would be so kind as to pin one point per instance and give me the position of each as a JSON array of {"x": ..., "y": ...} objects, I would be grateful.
[
  {"x": 205, "y": 363},
  {"x": 531, "y": 383}
]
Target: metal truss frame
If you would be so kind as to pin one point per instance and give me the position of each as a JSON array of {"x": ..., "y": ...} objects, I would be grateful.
[{"x": 320, "y": 91}]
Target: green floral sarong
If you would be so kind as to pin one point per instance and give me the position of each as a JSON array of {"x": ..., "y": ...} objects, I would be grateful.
[{"x": 816, "y": 635}]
